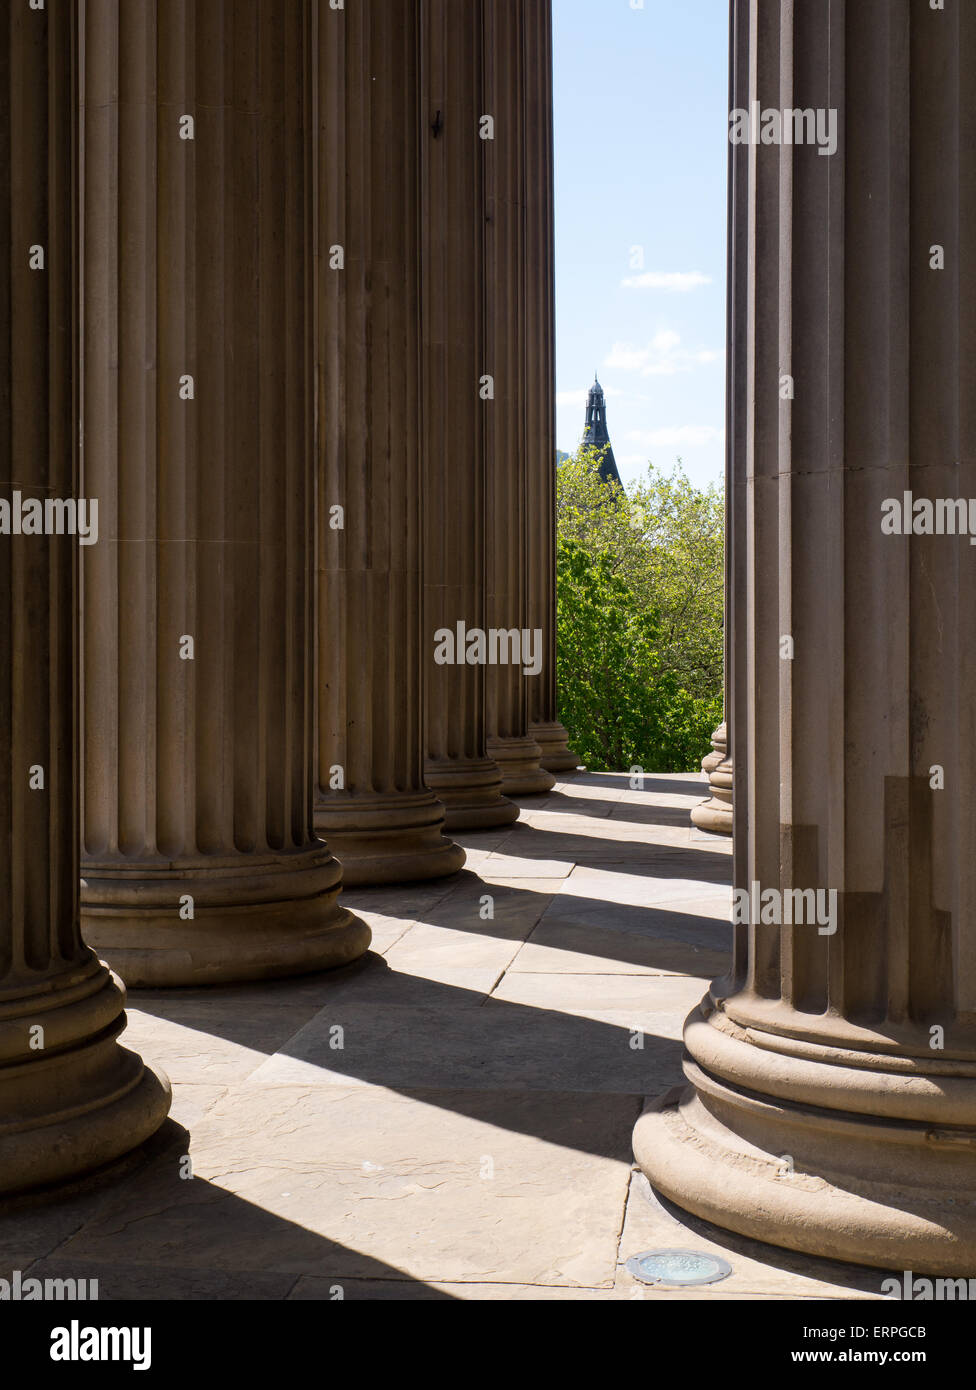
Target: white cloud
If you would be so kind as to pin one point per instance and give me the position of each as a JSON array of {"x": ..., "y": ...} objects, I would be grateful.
[
  {"x": 663, "y": 356},
  {"x": 676, "y": 436},
  {"x": 674, "y": 281}
]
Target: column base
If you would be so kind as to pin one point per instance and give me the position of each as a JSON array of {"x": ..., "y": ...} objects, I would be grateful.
[
  {"x": 518, "y": 760},
  {"x": 720, "y": 747},
  {"x": 471, "y": 793},
  {"x": 392, "y": 839},
  {"x": 715, "y": 814},
  {"x": 894, "y": 1190},
  {"x": 254, "y": 918},
  {"x": 81, "y": 1101},
  {"x": 553, "y": 739}
]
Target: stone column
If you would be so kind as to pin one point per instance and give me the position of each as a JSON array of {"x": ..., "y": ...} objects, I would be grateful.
[
  {"x": 540, "y": 330},
  {"x": 200, "y": 861},
  {"x": 512, "y": 39},
  {"x": 457, "y": 768},
  {"x": 832, "y": 1097},
  {"x": 71, "y": 1097},
  {"x": 371, "y": 801}
]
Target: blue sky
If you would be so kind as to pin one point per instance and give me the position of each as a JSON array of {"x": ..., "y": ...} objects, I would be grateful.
[{"x": 641, "y": 119}]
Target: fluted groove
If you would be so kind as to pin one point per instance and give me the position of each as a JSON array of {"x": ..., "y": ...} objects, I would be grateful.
[
  {"x": 198, "y": 768},
  {"x": 370, "y": 799}
]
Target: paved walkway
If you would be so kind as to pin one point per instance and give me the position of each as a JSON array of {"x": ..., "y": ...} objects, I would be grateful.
[{"x": 451, "y": 1117}]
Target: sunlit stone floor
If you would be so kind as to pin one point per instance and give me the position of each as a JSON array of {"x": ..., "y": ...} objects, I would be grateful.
[{"x": 450, "y": 1118}]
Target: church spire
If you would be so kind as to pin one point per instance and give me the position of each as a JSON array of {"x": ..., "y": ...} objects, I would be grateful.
[{"x": 595, "y": 431}]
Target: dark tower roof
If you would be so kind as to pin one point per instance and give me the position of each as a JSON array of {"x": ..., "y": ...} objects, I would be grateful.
[{"x": 595, "y": 432}]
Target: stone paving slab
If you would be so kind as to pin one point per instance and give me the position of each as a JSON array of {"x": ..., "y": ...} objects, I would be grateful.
[
  {"x": 674, "y": 880},
  {"x": 494, "y": 910},
  {"x": 449, "y": 1186},
  {"x": 191, "y": 1043},
  {"x": 375, "y": 983},
  {"x": 192, "y": 1100},
  {"x": 638, "y": 998},
  {"x": 570, "y": 845},
  {"x": 34, "y": 1225},
  {"x": 505, "y": 865},
  {"x": 445, "y": 1044},
  {"x": 386, "y": 931},
  {"x": 586, "y": 936},
  {"x": 590, "y": 797}
]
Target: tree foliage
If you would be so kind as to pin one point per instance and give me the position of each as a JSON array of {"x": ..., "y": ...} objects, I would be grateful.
[{"x": 639, "y": 597}]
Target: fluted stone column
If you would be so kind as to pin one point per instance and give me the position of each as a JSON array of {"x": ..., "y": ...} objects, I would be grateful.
[
  {"x": 540, "y": 329},
  {"x": 512, "y": 39},
  {"x": 71, "y": 1098},
  {"x": 371, "y": 802},
  {"x": 457, "y": 768},
  {"x": 832, "y": 1096},
  {"x": 200, "y": 862}
]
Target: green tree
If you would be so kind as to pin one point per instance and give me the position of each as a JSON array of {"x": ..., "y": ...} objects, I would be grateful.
[
  {"x": 682, "y": 545},
  {"x": 639, "y": 597}
]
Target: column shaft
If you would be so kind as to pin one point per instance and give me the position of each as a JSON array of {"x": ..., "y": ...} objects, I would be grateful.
[
  {"x": 832, "y": 1105},
  {"x": 371, "y": 801},
  {"x": 513, "y": 37},
  {"x": 540, "y": 330},
  {"x": 71, "y": 1097},
  {"x": 457, "y": 768},
  {"x": 200, "y": 861}
]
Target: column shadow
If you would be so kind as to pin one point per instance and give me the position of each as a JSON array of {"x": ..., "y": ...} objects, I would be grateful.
[
  {"x": 644, "y": 858},
  {"x": 652, "y": 937},
  {"x": 145, "y": 1232},
  {"x": 453, "y": 1047}
]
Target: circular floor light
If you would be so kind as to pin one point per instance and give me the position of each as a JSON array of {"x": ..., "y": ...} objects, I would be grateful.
[{"x": 678, "y": 1268}]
